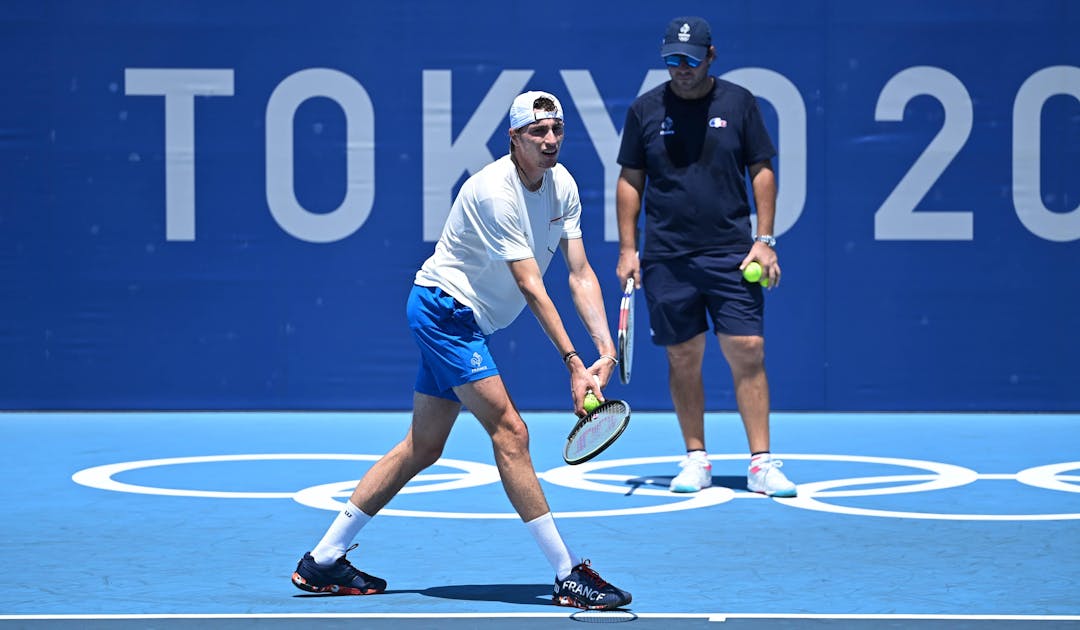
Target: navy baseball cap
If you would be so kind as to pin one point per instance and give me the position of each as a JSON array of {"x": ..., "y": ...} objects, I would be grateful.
[{"x": 688, "y": 36}]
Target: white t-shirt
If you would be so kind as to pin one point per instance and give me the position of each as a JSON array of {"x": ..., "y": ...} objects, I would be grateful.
[{"x": 493, "y": 221}]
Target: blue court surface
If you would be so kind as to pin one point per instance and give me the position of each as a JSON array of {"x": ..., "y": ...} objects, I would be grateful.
[{"x": 140, "y": 520}]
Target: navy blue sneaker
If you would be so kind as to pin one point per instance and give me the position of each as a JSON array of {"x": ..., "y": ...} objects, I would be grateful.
[
  {"x": 340, "y": 579},
  {"x": 584, "y": 588}
]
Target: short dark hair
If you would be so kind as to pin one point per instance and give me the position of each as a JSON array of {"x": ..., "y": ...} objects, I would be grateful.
[{"x": 543, "y": 103}]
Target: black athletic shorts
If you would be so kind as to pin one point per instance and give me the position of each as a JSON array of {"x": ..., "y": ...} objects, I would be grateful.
[{"x": 681, "y": 293}]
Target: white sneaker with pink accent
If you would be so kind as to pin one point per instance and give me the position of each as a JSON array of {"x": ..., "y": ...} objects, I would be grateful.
[
  {"x": 696, "y": 473},
  {"x": 765, "y": 477}
]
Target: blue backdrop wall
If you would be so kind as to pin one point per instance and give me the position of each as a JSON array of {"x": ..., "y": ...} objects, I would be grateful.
[{"x": 221, "y": 205}]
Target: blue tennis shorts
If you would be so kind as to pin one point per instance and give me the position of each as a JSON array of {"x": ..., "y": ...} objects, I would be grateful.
[
  {"x": 453, "y": 351},
  {"x": 681, "y": 293}
]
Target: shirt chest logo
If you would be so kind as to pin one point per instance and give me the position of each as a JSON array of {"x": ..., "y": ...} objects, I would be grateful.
[{"x": 667, "y": 126}]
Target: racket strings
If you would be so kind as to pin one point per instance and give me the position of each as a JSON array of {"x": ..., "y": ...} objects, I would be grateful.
[
  {"x": 612, "y": 409},
  {"x": 596, "y": 431}
]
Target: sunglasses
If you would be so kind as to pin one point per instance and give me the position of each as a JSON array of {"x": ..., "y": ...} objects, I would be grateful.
[{"x": 675, "y": 60}]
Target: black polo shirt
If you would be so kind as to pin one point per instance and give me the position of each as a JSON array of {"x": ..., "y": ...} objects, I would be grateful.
[{"x": 695, "y": 154}]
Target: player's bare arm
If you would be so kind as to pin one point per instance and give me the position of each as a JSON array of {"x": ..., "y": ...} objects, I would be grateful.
[
  {"x": 589, "y": 302},
  {"x": 531, "y": 284}
]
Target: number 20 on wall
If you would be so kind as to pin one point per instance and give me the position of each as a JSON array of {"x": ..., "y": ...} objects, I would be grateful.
[{"x": 896, "y": 219}]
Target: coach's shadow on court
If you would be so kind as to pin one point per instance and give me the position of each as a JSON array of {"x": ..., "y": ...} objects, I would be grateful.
[
  {"x": 728, "y": 481},
  {"x": 527, "y": 594}
]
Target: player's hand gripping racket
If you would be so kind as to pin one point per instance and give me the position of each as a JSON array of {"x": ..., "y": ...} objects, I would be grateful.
[
  {"x": 626, "y": 332},
  {"x": 596, "y": 431}
]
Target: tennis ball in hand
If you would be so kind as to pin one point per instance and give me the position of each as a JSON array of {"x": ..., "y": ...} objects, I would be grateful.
[
  {"x": 752, "y": 272},
  {"x": 591, "y": 402}
]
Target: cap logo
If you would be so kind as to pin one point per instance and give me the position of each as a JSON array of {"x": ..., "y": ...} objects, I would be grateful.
[{"x": 684, "y": 33}]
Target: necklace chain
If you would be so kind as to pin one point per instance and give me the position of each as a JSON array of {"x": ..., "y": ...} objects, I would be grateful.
[{"x": 525, "y": 178}]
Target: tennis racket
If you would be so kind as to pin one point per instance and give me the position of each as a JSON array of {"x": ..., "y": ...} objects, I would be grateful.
[
  {"x": 596, "y": 431},
  {"x": 626, "y": 332}
]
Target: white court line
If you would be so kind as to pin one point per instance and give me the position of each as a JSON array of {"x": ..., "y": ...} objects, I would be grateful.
[
  {"x": 899, "y": 616},
  {"x": 511, "y": 615},
  {"x": 712, "y": 617}
]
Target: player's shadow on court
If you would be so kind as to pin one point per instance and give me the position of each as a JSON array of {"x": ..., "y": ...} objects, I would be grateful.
[
  {"x": 527, "y": 594},
  {"x": 664, "y": 482}
]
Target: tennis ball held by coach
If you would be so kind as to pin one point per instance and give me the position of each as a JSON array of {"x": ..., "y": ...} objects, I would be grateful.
[{"x": 752, "y": 272}]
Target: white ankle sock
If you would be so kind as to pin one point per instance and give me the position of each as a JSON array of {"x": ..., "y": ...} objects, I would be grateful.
[
  {"x": 345, "y": 527},
  {"x": 545, "y": 533}
]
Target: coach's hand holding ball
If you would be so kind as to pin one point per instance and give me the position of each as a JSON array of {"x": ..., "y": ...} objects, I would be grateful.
[{"x": 753, "y": 273}]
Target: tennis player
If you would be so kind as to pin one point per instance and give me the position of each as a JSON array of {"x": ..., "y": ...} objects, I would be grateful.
[{"x": 505, "y": 225}]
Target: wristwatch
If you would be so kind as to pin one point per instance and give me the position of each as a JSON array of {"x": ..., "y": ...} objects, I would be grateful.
[{"x": 767, "y": 239}]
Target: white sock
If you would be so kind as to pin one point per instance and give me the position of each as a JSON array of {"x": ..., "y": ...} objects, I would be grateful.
[
  {"x": 545, "y": 533},
  {"x": 698, "y": 454},
  {"x": 345, "y": 527}
]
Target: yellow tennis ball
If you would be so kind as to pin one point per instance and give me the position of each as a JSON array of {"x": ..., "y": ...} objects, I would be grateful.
[
  {"x": 752, "y": 273},
  {"x": 764, "y": 281},
  {"x": 591, "y": 402}
]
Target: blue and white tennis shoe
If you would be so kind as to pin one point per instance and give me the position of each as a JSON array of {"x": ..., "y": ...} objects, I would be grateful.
[
  {"x": 340, "y": 578},
  {"x": 584, "y": 588}
]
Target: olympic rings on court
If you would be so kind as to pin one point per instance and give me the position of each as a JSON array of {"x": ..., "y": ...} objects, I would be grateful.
[
  {"x": 948, "y": 476},
  {"x": 326, "y": 496},
  {"x": 587, "y": 477}
]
